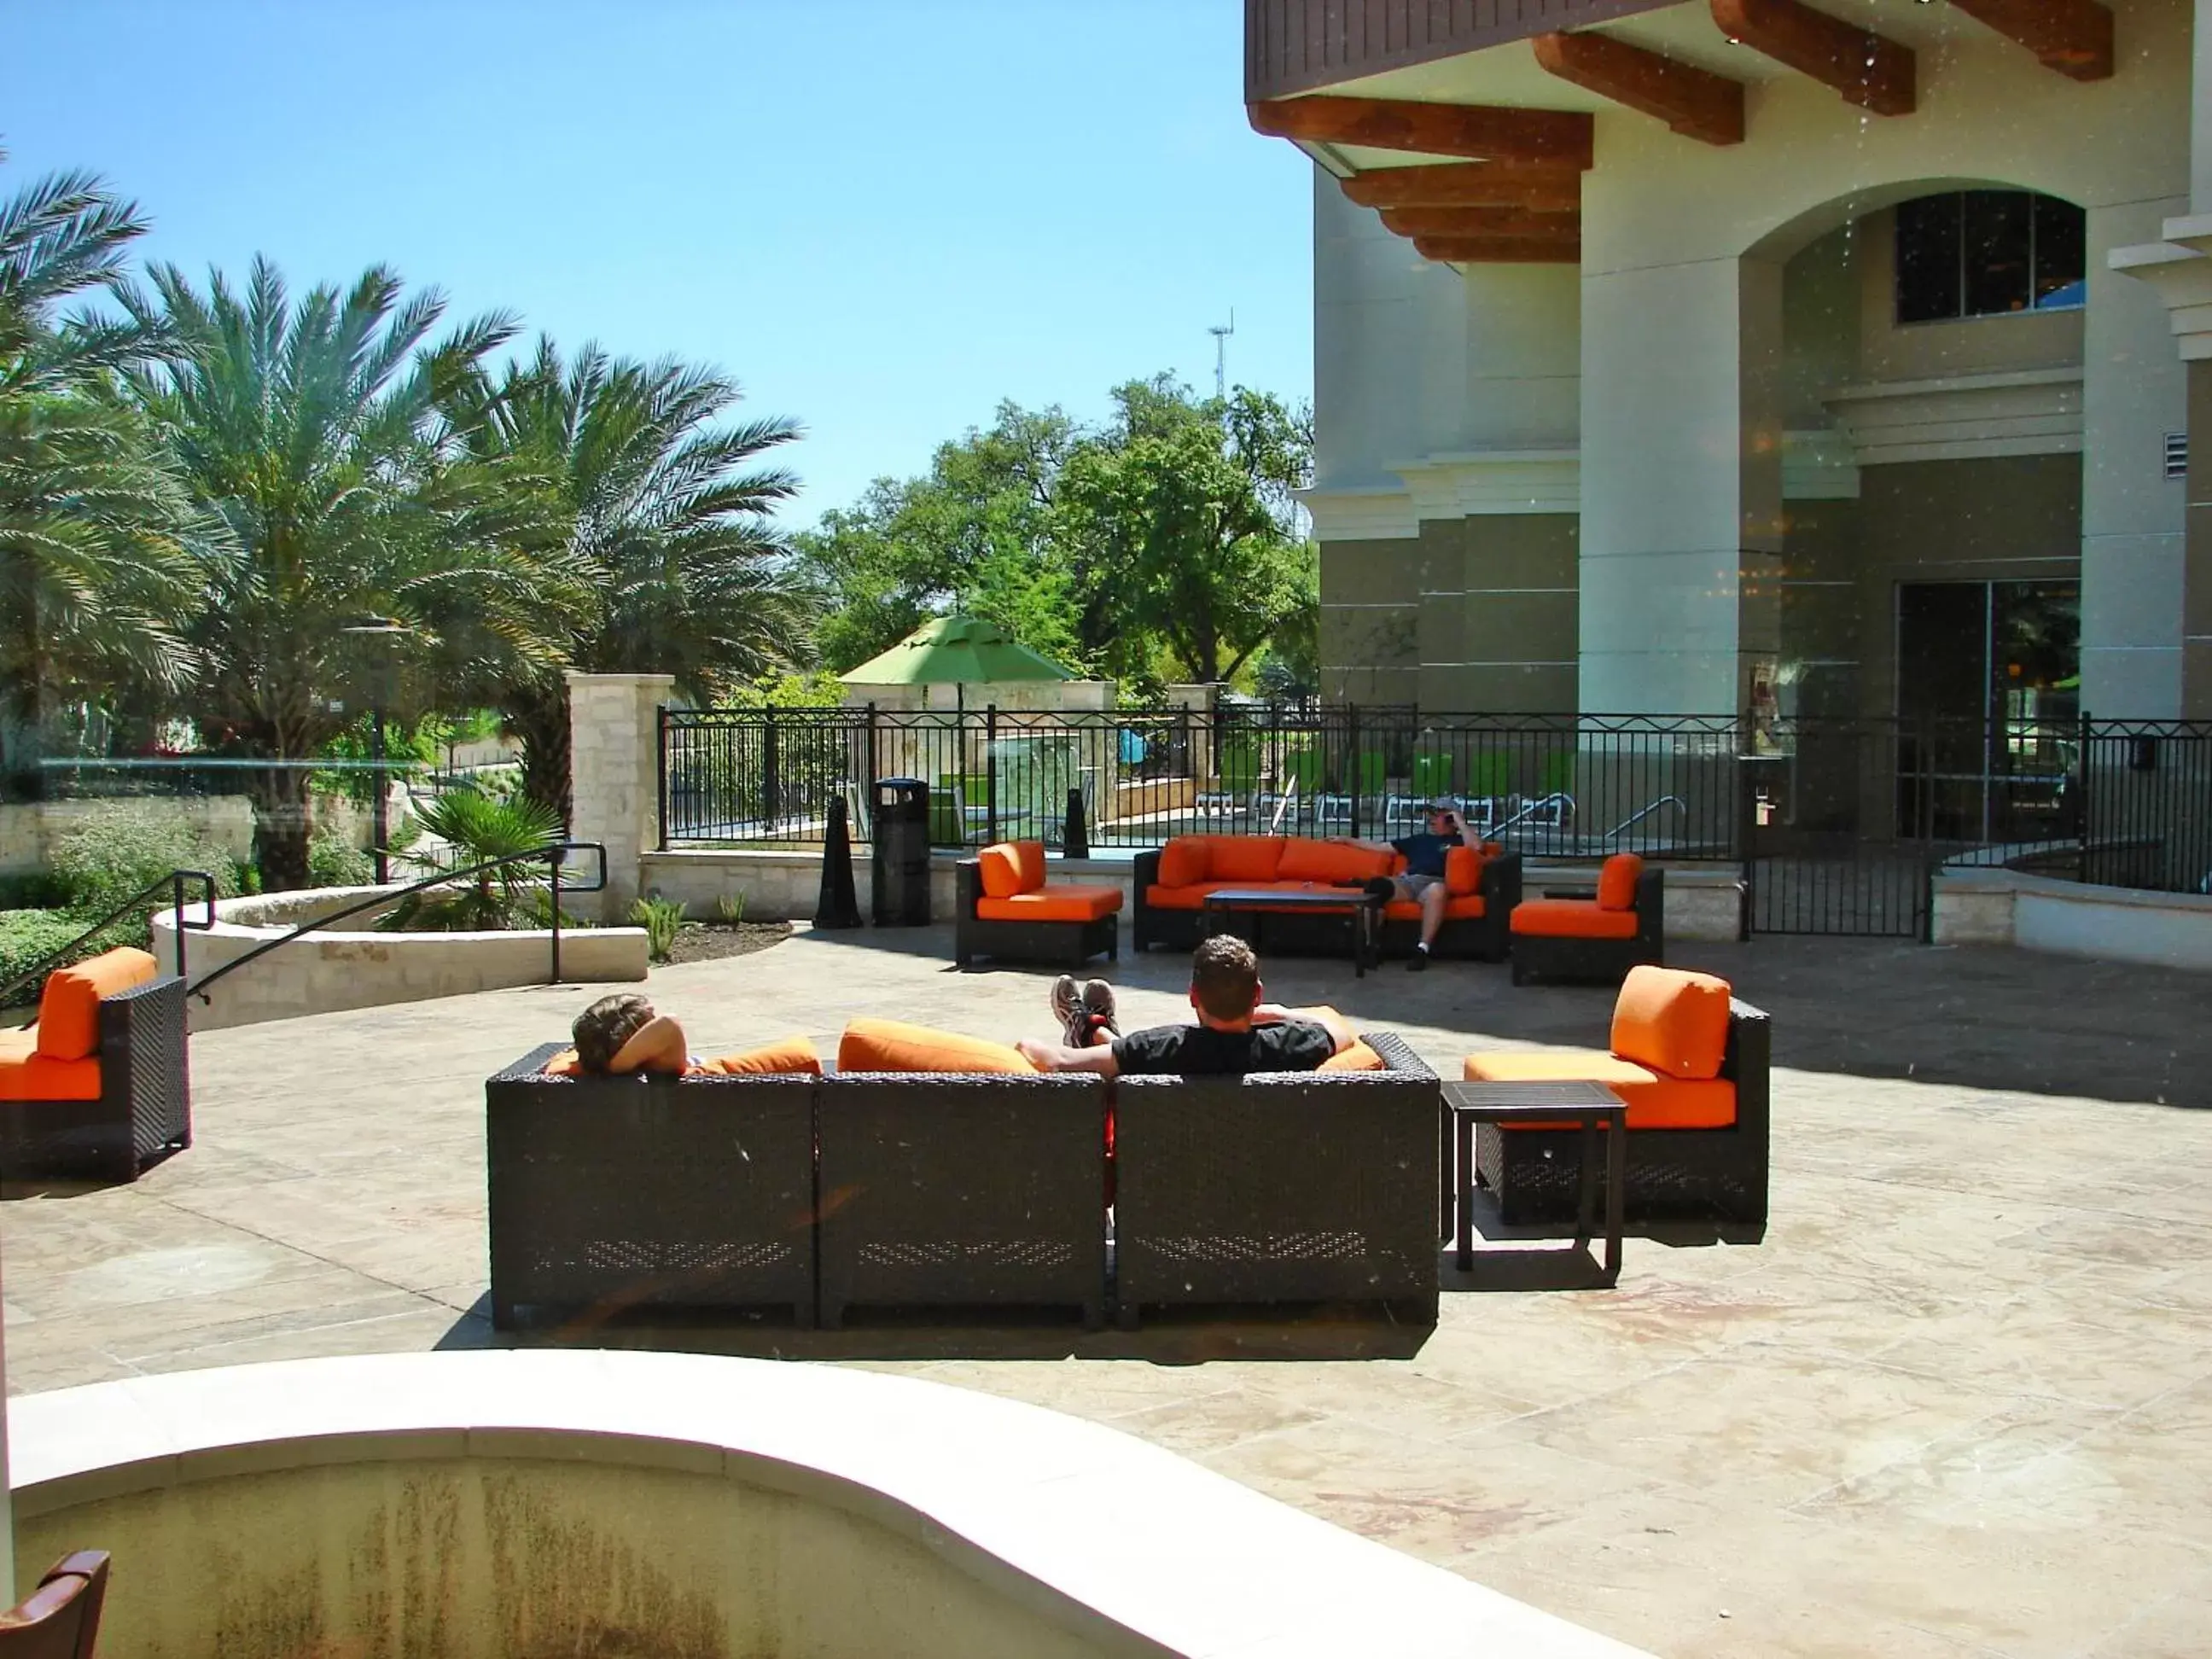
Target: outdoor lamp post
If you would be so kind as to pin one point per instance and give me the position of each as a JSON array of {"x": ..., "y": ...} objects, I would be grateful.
[{"x": 382, "y": 633}]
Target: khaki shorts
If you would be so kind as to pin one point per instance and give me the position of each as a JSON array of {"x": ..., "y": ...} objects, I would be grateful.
[{"x": 1412, "y": 887}]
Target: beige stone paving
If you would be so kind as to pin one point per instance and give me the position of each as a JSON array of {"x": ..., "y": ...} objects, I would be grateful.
[{"x": 1958, "y": 1401}]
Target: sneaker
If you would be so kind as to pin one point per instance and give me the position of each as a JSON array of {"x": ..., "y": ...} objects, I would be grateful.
[
  {"x": 1099, "y": 1012},
  {"x": 1419, "y": 961},
  {"x": 1068, "y": 1008}
]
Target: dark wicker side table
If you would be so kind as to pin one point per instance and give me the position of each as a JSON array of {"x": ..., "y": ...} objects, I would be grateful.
[{"x": 1591, "y": 1105}]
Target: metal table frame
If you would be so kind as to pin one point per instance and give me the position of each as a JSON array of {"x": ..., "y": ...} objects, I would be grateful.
[
  {"x": 1363, "y": 908},
  {"x": 1591, "y": 1106}
]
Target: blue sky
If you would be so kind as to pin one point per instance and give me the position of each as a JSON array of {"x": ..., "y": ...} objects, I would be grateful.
[{"x": 881, "y": 216}]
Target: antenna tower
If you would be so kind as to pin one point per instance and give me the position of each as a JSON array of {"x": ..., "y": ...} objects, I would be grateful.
[{"x": 1221, "y": 331}]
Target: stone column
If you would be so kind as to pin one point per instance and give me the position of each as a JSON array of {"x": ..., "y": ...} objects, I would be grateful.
[
  {"x": 1681, "y": 484},
  {"x": 614, "y": 769}
]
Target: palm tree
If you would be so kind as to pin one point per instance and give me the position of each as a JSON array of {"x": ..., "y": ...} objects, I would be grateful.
[
  {"x": 312, "y": 431},
  {"x": 91, "y": 512},
  {"x": 670, "y": 564}
]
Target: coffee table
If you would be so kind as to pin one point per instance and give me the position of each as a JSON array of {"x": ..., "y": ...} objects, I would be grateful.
[
  {"x": 1362, "y": 908},
  {"x": 1592, "y": 1106}
]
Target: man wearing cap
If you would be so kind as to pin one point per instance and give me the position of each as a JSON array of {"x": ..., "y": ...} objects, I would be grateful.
[{"x": 1423, "y": 881}]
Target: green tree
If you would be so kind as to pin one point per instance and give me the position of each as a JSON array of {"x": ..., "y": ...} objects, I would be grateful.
[
  {"x": 312, "y": 431},
  {"x": 665, "y": 560},
  {"x": 92, "y": 515},
  {"x": 1183, "y": 529}
]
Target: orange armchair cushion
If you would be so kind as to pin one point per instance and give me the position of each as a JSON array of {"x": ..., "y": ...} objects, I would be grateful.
[
  {"x": 1243, "y": 859},
  {"x": 69, "y": 1010},
  {"x": 789, "y": 1056},
  {"x": 1616, "y": 882},
  {"x": 1329, "y": 862},
  {"x": 1572, "y": 919},
  {"x": 1029, "y": 857},
  {"x": 890, "y": 1045},
  {"x": 1001, "y": 868},
  {"x": 1183, "y": 861},
  {"x": 27, "y": 1074},
  {"x": 1653, "y": 1101},
  {"x": 1672, "y": 1020},
  {"x": 1062, "y": 901},
  {"x": 1357, "y": 1058},
  {"x": 1463, "y": 870}
]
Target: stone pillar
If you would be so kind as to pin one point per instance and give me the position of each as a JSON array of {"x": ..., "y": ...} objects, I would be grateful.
[
  {"x": 1682, "y": 485},
  {"x": 614, "y": 769}
]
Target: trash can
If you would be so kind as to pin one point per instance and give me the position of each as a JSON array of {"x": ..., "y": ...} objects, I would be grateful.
[{"x": 901, "y": 853}]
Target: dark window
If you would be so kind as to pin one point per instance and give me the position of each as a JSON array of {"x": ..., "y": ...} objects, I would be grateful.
[{"x": 1986, "y": 253}]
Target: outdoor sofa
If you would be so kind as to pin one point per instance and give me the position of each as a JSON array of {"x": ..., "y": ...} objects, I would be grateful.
[
  {"x": 1596, "y": 938},
  {"x": 1483, "y": 884},
  {"x": 1007, "y": 910},
  {"x": 98, "y": 1088},
  {"x": 1692, "y": 1064}
]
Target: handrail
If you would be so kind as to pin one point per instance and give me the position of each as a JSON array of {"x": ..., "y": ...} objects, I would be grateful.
[
  {"x": 1535, "y": 807},
  {"x": 173, "y": 882},
  {"x": 1642, "y": 813},
  {"x": 554, "y": 855}
]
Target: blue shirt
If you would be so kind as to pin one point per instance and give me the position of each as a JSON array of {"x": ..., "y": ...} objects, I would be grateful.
[{"x": 1424, "y": 854}]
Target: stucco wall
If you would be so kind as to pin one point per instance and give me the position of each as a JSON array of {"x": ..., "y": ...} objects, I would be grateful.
[{"x": 2041, "y": 913}]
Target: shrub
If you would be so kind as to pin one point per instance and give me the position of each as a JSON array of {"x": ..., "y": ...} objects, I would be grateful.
[
  {"x": 39, "y": 891},
  {"x": 730, "y": 908},
  {"x": 27, "y": 937},
  {"x": 662, "y": 919},
  {"x": 334, "y": 861},
  {"x": 121, "y": 849}
]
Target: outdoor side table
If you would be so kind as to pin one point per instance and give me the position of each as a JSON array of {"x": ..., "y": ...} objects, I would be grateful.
[
  {"x": 1592, "y": 1106},
  {"x": 1362, "y": 908}
]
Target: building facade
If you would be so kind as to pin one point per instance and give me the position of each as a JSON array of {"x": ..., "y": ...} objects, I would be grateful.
[{"x": 1739, "y": 356}]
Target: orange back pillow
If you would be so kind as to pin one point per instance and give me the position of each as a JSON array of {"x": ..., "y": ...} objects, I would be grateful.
[
  {"x": 1672, "y": 1020},
  {"x": 1001, "y": 868},
  {"x": 890, "y": 1045},
  {"x": 792, "y": 1055},
  {"x": 1183, "y": 861},
  {"x": 1463, "y": 871},
  {"x": 69, "y": 1008},
  {"x": 1244, "y": 858},
  {"x": 1616, "y": 882},
  {"x": 1029, "y": 864}
]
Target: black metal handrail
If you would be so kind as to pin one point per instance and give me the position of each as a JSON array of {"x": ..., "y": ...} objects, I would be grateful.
[
  {"x": 174, "y": 883},
  {"x": 553, "y": 856}
]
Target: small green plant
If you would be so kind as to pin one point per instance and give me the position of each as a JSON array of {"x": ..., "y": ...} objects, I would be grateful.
[
  {"x": 729, "y": 908},
  {"x": 334, "y": 861},
  {"x": 27, "y": 937},
  {"x": 662, "y": 919},
  {"x": 464, "y": 828}
]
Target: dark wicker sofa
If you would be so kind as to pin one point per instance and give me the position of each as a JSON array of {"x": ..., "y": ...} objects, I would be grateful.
[
  {"x": 1482, "y": 938},
  {"x": 1299, "y": 1188},
  {"x": 614, "y": 1195},
  {"x": 144, "y": 1111},
  {"x": 1708, "y": 1174}
]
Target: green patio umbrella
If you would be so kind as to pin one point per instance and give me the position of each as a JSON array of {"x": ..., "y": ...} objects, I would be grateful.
[{"x": 958, "y": 651}]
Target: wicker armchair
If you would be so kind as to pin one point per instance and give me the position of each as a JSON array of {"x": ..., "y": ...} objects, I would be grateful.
[
  {"x": 143, "y": 1110},
  {"x": 615, "y": 1195},
  {"x": 1283, "y": 1188},
  {"x": 958, "y": 1190}
]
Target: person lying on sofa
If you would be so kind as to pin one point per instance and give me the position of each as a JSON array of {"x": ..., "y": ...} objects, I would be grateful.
[
  {"x": 1424, "y": 880},
  {"x": 1236, "y": 1033},
  {"x": 623, "y": 1033}
]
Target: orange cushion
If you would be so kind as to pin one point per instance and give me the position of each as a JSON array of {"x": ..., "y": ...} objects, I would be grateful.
[
  {"x": 1062, "y": 901},
  {"x": 1331, "y": 862},
  {"x": 1161, "y": 897},
  {"x": 1672, "y": 1020},
  {"x": 1029, "y": 858},
  {"x": 1357, "y": 1058},
  {"x": 1616, "y": 882},
  {"x": 1455, "y": 909},
  {"x": 890, "y": 1045},
  {"x": 27, "y": 1074},
  {"x": 1572, "y": 919},
  {"x": 566, "y": 1063},
  {"x": 791, "y": 1055},
  {"x": 1242, "y": 859},
  {"x": 1653, "y": 1101},
  {"x": 1183, "y": 861},
  {"x": 1463, "y": 870},
  {"x": 1001, "y": 868},
  {"x": 69, "y": 1010}
]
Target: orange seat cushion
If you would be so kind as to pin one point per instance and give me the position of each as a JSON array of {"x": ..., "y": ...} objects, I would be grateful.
[
  {"x": 1463, "y": 870},
  {"x": 789, "y": 1056},
  {"x": 27, "y": 1074},
  {"x": 1672, "y": 1020},
  {"x": 890, "y": 1045},
  {"x": 1461, "y": 909},
  {"x": 1183, "y": 861},
  {"x": 1616, "y": 882},
  {"x": 1000, "y": 868},
  {"x": 69, "y": 1010},
  {"x": 1654, "y": 1101},
  {"x": 1572, "y": 919},
  {"x": 1331, "y": 863},
  {"x": 1241, "y": 860},
  {"x": 1161, "y": 897},
  {"x": 1357, "y": 1058},
  {"x": 1062, "y": 901}
]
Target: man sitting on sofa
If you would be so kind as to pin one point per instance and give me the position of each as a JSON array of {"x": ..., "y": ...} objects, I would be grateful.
[
  {"x": 1236, "y": 1033},
  {"x": 1424, "y": 880}
]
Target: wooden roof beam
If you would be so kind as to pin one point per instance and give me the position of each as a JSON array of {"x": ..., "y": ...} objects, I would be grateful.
[
  {"x": 1693, "y": 101},
  {"x": 1476, "y": 130},
  {"x": 2074, "y": 37},
  {"x": 1498, "y": 251},
  {"x": 1537, "y": 187},
  {"x": 1870, "y": 70},
  {"x": 1472, "y": 221}
]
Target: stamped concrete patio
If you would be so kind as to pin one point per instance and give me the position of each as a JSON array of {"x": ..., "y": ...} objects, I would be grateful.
[{"x": 1958, "y": 1401}]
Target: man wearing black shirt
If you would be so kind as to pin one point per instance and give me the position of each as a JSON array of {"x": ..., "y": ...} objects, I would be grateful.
[
  {"x": 1424, "y": 880},
  {"x": 1236, "y": 1033}
]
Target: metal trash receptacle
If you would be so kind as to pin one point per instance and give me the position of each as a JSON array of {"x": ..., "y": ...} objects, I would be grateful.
[{"x": 901, "y": 840}]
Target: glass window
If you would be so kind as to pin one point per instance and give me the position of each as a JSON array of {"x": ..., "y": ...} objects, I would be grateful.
[{"x": 1986, "y": 253}]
